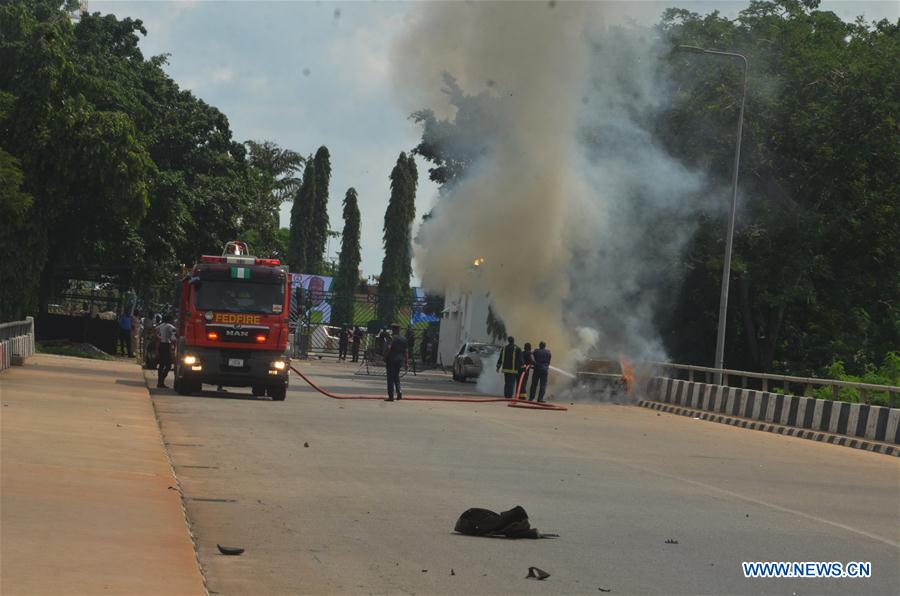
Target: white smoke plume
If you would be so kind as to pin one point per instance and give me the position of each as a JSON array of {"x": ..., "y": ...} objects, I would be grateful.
[{"x": 575, "y": 209}]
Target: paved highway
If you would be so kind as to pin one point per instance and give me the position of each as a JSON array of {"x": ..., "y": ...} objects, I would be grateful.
[{"x": 369, "y": 506}]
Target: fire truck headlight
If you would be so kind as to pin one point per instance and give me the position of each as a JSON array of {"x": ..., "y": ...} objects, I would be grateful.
[
  {"x": 279, "y": 365},
  {"x": 208, "y": 316},
  {"x": 190, "y": 360}
]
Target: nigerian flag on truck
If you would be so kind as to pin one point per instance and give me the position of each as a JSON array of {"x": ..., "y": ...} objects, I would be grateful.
[{"x": 240, "y": 273}]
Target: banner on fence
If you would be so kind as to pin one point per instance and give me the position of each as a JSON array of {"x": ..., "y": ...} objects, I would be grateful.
[{"x": 319, "y": 288}]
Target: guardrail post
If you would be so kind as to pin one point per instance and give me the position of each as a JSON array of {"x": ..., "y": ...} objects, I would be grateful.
[
  {"x": 691, "y": 375},
  {"x": 744, "y": 382},
  {"x": 765, "y": 384},
  {"x": 835, "y": 393},
  {"x": 807, "y": 391},
  {"x": 725, "y": 379},
  {"x": 892, "y": 399},
  {"x": 863, "y": 396},
  {"x": 706, "y": 377}
]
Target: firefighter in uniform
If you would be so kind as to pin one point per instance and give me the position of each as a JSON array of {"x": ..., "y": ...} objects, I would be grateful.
[
  {"x": 541, "y": 358},
  {"x": 527, "y": 362},
  {"x": 509, "y": 363}
]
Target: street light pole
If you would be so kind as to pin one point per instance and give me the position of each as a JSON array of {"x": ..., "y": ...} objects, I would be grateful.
[{"x": 729, "y": 239}]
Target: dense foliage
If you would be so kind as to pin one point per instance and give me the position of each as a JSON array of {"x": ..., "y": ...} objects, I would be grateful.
[
  {"x": 396, "y": 268},
  {"x": 109, "y": 171},
  {"x": 309, "y": 217},
  {"x": 346, "y": 280},
  {"x": 816, "y": 270}
]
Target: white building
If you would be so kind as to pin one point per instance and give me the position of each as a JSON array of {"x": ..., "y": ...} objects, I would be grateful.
[{"x": 463, "y": 319}]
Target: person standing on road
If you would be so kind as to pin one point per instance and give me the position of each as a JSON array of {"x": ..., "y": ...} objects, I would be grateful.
[
  {"x": 395, "y": 357},
  {"x": 509, "y": 363},
  {"x": 126, "y": 324},
  {"x": 541, "y": 358},
  {"x": 411, "y": 345},
  {"x": 357, "y": 340},
  {"x": 165, "y": 335},
  {"x": 343, "y": 343},
  {"x": 527, "y": 363}
]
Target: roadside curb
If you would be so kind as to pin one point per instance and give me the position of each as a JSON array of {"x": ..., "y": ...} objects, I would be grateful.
[
  {"x": 790, "y": 431},
  {"x": 184, "y": 511}
]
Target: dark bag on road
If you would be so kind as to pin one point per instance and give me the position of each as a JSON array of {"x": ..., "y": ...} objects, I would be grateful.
[{"x": 510, "y": 524}]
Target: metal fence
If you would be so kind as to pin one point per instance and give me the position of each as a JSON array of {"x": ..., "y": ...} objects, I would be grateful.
[
  {"x": 16, "y": 341},
  {"x": 318, "y": 317},
  {"x": 838, "y": 390}
]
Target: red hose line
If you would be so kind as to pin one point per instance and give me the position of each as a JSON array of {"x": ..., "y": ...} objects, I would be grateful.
[{"x": 472, "y": 399}]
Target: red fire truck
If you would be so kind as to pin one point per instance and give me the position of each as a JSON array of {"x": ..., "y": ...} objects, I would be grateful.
[{"x": 233, "y": 324}]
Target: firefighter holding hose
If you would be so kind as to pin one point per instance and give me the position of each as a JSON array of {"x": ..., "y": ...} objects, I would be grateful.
[
  {"x": 541, "y": 358},
  {"x": 509, "y": 363}
]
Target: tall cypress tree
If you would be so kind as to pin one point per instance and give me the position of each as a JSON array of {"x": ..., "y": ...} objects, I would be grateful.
[
  {"x": 301, "y": 212},
  {"x": 345, "y": 281},
  {"x": 396, "y": 268},
  {"x": 318, "y": 218}
]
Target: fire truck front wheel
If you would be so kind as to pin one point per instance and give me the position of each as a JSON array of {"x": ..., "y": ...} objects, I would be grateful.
[{"x": 278, "y": 391}]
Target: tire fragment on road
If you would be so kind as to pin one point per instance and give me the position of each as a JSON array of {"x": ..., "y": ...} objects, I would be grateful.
[{"x": 537, "y": 573}]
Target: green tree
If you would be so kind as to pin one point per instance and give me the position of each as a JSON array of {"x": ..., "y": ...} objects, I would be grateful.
[
  {"x": 128, "y": 175},
  {"x": 347, "y": 278},
  {"x": 396, "y": 268},
  {"x": 318, "y": 220},
  {"x": 816, "y": 273},
  {"x": 273, "y": 178},
  {"x": 301, "y": 217}
]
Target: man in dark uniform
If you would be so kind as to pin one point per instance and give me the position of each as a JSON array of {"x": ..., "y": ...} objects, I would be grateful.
[
  {"x": 527, "y": 361},
  {"x": 541, "y": 370},
  {"x": 357, "y": 340},
  {"x": 508, "y": 363},
  {"x": 395, "y": 357},
  {"x": 343, "y": 342}
]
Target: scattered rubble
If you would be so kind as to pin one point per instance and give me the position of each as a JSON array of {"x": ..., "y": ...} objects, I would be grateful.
[{"x": 537, "y": 573}]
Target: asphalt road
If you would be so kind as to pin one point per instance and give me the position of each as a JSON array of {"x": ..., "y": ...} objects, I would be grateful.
[{"x": 369, "y": 506}]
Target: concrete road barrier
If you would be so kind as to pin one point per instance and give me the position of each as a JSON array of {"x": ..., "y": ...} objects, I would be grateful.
[{"x": 875, "y": 423}]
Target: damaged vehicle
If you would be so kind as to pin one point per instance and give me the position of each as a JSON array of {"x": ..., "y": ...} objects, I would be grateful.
[{"x": 468, "y": 362}]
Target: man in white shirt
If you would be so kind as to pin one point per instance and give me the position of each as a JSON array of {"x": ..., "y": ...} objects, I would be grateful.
[{"x": 165, "y": 332}]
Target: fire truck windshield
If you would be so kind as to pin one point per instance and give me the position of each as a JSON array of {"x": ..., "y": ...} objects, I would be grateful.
[{"x": 237, "y": 296}]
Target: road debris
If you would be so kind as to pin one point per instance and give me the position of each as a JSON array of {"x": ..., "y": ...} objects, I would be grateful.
[
  {"x": 452, "y": 572},
  {"x": 671, "y": 541},
  {"x": 230, "y": 550},
  {"x": 537, "y": 573},
  {"x": 605, "y": 589},
  {"x": 511, "y": 524},
  {"x": 306, "y": 444}
]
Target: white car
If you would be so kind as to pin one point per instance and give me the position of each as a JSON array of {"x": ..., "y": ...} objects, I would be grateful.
[{"x": 468, "y": 361}]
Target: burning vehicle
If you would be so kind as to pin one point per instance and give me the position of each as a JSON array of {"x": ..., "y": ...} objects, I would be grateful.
[{"x": 613, "y": 377}]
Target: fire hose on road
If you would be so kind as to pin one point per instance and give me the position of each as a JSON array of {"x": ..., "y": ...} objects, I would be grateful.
[{"x": 438, "y": 398}]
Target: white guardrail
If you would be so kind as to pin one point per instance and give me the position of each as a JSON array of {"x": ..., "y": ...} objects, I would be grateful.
[
  {"x": 787, "y": 383},
  {"x": 16, "y": 340}
]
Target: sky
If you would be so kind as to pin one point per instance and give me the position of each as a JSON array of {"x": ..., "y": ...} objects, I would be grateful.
[{"x": 306, "y": 74}]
